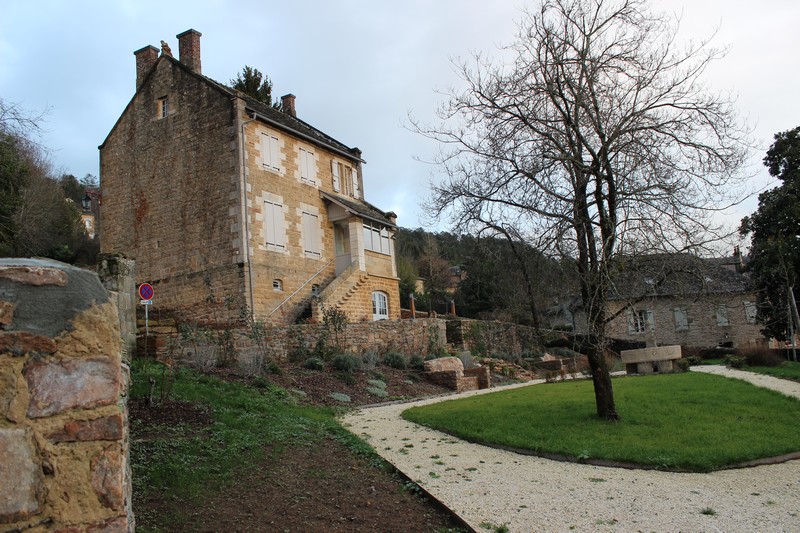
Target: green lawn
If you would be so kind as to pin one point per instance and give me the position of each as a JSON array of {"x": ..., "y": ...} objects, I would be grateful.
[
  {"x": 787, "y": 370},
  {"x": 688, "y": 421}
]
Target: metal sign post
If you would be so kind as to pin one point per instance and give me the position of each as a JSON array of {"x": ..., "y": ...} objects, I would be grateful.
[{"x": 146, "y": 293}]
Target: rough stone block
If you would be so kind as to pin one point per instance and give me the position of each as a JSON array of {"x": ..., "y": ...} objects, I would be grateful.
[
  {"x": 106, "y": 428},
  {"x": 57, "y": 386},
  {"x": 8, "y": 389},
  {"x": 643, "y": 355},
  {"x": 21, "y": 343},
  {"x": 20, "y": 476},
  {"x": 34, "y": 275},
  {"x": 6, "y": 312},
  {"x": 107, "y": 476},
  {"x": 444, "y": 364}
]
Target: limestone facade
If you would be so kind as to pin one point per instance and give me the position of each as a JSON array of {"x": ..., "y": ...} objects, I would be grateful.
[{"x": 227, "y": 203}]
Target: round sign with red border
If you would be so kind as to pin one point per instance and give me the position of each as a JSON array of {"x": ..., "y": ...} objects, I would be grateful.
[{"x": 146, "y": 291}]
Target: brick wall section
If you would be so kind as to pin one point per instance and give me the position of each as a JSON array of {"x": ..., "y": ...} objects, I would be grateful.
[
  {"x": 703, "y": 330},
  {"x": 63, "y": 415},
  {"x": 170, "y": 187}
]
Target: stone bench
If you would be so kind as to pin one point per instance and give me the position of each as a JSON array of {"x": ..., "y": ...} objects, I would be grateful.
[{"x": 654, "y": 360}]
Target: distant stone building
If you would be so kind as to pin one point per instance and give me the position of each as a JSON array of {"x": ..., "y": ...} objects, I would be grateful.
[
  {"x": 683, "y": 300},
  {"x": 220, "y": 197}
]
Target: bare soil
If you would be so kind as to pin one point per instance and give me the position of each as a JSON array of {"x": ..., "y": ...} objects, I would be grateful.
[{"x": 320, "y": 487}]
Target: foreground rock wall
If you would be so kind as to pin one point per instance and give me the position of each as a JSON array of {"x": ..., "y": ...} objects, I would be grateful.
[{"x": 63, "y": 417}]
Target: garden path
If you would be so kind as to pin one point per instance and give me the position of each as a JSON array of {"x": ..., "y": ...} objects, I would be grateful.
[{"x": 490, "y": 487}]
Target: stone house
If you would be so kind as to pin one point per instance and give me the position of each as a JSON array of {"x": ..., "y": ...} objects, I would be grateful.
[
  {"x": 221, "y": 198},
  {"x": 683, "y": 300}
]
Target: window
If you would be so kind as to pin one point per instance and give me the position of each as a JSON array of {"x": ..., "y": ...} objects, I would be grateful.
[
  {"x": 308, "y": 167},
  {"x": 273, "y": 226},
  {"x": 311, "y": 235},
  {"x": 376, "y": 239},
  {"x": 640, "y": 321},
  {"x": 315, "y": 290},
  {"x": 345, "y": 179},
  {"x": 681, "y": 319},
  {"x": 380, "y": 308},
  {"x": 163, "y": 107},
  {"x": 722, "y": 316},
  {"x": 270, "y": 152},
  {"x": 277, "y": 285},
  {"x": 750, "y": 312}
]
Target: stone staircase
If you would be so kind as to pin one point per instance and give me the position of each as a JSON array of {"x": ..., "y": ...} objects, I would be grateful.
[{"x": 339, "y": 291}]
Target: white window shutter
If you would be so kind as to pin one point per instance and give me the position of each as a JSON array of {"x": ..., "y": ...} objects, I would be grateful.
[
  {"x": 335, "y": 173},
  {"x": 356, "y": 191},
  {"x": 275, "y": 155},
  {"x": 273, "y": 219},
  {"x": 311, "y": 240}
]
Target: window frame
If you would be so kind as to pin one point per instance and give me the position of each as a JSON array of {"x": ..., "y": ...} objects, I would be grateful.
[
  {"x": 684, "y": 325},
  {"x": 273, "y": 226},
  {"x": 380, "y": 306},
  {"x": 376, "y": 238},
  {"x": 640, "y": 321},
  {"x": 722, "y": 316},
  {"x": 307, "y": 165},
  {"x": 270, "y": 152},
  {"x": 312, "y": 236}
]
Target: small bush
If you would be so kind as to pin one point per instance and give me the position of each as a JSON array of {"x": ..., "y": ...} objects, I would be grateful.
[
  {"x": 340, "y": 397},
  {"x": 735, "y": 361},
  {"x": 416, "y": 362},
  {"x": 377, "y": 383},
  {"x": 260, "y": 383},
  {"x": 370, "y": 360},
  {"x": 694, "y": 360},
  {"x": 683, "y": 364},
  {"x": 395, "y": 360},
  {"x": 272, "y": 368},
  {"x": 314, "y": 363},
  {"x": 762, "y": 357},
  {"x": 376, "y": 391},
  {"x": 347, "y": 377},
  {"x": 346, "y": 363}
]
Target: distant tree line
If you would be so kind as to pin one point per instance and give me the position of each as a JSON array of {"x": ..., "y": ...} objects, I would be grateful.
[
  {"x": 40, "y": 214},
  {"x": 485, "y": 276}
]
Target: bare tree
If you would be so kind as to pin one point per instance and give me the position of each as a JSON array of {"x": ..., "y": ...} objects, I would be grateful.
[{"x": 597, "y": 139}]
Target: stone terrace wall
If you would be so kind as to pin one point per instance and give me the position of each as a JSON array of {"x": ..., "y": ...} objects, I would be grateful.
[
  {"x": 63, "y": 416},
  {"x": 491, "y": 338}
]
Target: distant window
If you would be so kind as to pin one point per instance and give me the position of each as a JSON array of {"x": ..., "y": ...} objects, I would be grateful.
[
  {"x": 380, "y": 307},
  {"x": 271, "y": 152},
  {"x": 376, "y": 238},
  {"x": 277, "y": 285},
  {"x": 640, "y": 321},
  {"x": 681, "y": 319},
  {"x": 345, "y": 179},
  {"x": 273, "y": 225},
  {"x": 750, "y": 312},
  {"x": 163, "y": 107},
  {"x": 312, "y": 243},
  {"x": 308, "y": 167},
  {"x": 722, "y": 316},
  {"x": 315, "y": 290}
]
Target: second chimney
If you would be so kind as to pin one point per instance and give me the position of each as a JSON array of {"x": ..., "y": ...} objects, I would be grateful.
[
  {"x": 189, "y": 49},
  {"x": 287, "y": 104},
  {"x": 145, "y": 59}
]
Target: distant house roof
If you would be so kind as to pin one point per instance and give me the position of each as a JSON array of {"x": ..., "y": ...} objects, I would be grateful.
[
  {"x": 674, "y": 275},
  {"x": 361, "y": 208}
]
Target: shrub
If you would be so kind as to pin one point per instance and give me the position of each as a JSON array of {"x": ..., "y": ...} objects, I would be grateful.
[
  {"x": 735, "y": 361},
  {"x": 377, "y": 391},
  {"x": 260, "y": 383},
  {"x": 377, "y": 383},
  {"x": 314, "y": 363},
  {"x": 340, "y": 397},
  {"x": 346, "y": 363},
  {"x": 683, "y": 364},
  {"x": 416, "y": 362},
  {"x": 694, "y": 360},
  {"x": 466, "y": 360},
  {"x": 347, "y": 378},
  {"x": 370, "y": 360},
  {"x": 395, "y": 360},
  {"x": 762, "y": 357}
]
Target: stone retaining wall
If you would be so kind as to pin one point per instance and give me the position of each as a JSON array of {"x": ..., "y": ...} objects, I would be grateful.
[{"x": 63, "y": 415}]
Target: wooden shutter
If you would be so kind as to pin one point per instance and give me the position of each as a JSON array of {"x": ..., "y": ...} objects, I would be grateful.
[
  {"x": 335, "y": 173},
  {"x": 356, "y": 191},
  {"x": 273, "y": 220},
  {"x": 311, "y": 236}
]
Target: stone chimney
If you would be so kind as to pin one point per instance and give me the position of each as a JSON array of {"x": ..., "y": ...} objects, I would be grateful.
[
  {"x": 287, "y": 104},
  {"x": 189, "y": 49},
  {"x": 145, "y": 59}
]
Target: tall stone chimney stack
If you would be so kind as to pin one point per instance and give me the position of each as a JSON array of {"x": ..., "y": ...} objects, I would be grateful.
[
  {"x": 287, "y": 104},
  {"x": 189, "y": 49},
  {"x": 145, "y": 59}
]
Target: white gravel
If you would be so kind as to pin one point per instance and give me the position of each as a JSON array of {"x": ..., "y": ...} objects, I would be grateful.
[{"x": 489, "y": 486}]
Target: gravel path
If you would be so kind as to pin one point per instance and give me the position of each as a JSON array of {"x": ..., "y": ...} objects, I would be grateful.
[{"x": 488, "y": 486}]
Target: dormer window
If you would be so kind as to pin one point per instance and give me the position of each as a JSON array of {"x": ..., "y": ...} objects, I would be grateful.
[{"x": 162, "y": 110}]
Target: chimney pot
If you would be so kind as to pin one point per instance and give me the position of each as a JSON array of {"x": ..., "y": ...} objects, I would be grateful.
[
  {"x": 145, "y": 59},
  {"x": 189, "y": 49},
  {"x": 287, "y": 104}
]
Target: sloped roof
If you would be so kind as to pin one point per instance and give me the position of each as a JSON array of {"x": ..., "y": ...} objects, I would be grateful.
[
  {"x": 674, "y": 275},
  {"x": 361, "y": 208}
]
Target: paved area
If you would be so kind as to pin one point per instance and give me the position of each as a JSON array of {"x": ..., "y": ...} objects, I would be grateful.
[{"x": 489, "y": 487}]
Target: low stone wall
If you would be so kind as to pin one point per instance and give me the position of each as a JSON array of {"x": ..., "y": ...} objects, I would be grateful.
[
  {"x": 63, "y": 414},
  {"x": 487, "y": 338}
]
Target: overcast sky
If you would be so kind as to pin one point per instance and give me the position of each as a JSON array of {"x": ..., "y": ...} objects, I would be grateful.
[{"x": 358, "y": 68}]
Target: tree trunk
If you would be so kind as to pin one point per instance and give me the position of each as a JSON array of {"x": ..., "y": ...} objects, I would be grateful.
[{"x": 603, "y": 391}]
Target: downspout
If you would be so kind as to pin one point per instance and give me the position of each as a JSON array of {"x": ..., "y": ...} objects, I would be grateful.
[{"x": 244, "y": 211}]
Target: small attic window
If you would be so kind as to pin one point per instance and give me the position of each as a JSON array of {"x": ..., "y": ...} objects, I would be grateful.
[
  {"x": 277, "y": 285},
  {"x": 162, "y": 110}
]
